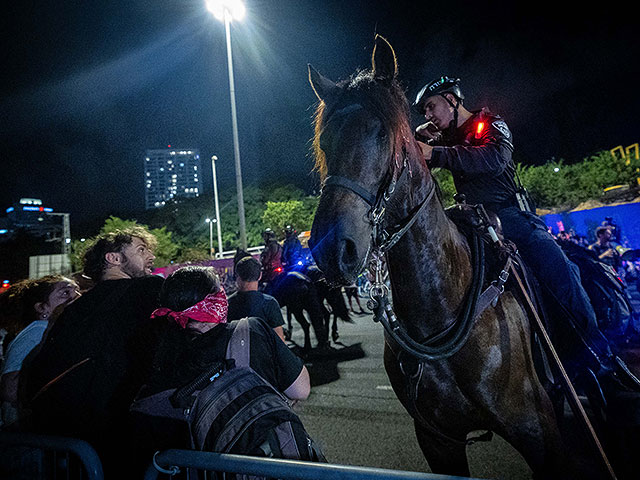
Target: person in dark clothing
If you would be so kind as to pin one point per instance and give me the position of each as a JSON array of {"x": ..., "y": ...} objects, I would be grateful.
[
  {"x": 605, "y": 249},
  {"x": 477, "y": 148},
  {"x": 271, "y": 256},
  {"x": 247, "y": 301},
  {"x": 195, "y": 332},
  {"x": 291, "y": 248},
  {"x": 97, "y": 354}
]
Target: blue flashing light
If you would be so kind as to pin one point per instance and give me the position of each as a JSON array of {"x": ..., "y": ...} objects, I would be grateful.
[
  {"x": 10, "y": 209},
  {"x": 31, "y": 209},
  {"x": 48, "y": 209},
  {"x": 3, "y": 231}
]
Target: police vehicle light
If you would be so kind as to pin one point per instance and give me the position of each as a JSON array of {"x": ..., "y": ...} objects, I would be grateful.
[
  {"x": 299, "y": 262},
  {"x": 278, "y": 269}
]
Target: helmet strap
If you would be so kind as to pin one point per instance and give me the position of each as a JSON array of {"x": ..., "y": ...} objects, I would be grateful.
[{"x": 453, "y": 124}]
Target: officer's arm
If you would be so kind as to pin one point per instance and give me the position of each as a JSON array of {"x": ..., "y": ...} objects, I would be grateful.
[{"x": 491, "y": 156}]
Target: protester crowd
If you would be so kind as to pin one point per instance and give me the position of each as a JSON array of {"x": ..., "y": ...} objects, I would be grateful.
[
  {"x": 74, "y": 364},
  {"x": 97, "y": 364},
  {"x": 610, "y": 246}
]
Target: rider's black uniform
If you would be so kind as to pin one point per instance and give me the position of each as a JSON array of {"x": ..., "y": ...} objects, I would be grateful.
[{"x": 478, "y": 154}]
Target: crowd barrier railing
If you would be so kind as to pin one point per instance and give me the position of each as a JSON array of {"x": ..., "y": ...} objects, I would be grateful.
[
  {"x": 172, "y": 461},
  {"x": 66, "y": 457}
]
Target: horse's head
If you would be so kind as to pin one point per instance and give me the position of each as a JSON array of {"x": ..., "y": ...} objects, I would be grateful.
[{"x": 362, "y": 141}]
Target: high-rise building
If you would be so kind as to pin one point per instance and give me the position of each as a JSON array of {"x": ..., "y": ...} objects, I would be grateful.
[
  {"x": 171, "y": 172},
  {"x": 30, "y": 215}
]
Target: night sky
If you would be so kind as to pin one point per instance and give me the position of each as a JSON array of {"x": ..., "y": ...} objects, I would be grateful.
[{"x": 90, "y": 85}]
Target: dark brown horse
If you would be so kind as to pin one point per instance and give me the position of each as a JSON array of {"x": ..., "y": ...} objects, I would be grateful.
[{"x": 364, "y": 150}]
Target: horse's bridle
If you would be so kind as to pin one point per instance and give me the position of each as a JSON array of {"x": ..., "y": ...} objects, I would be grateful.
[{"x": 451, "y": 339}]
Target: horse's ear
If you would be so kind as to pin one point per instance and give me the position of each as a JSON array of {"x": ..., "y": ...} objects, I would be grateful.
[
  {"x": 383, "y": 60},
  {"x": 322, "y": 86}
]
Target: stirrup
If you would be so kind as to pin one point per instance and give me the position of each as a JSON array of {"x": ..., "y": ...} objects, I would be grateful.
[{"x": 629, "y": 379}]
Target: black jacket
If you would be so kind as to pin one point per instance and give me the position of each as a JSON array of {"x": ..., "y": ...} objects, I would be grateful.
[{"x": 478, "y": 155}]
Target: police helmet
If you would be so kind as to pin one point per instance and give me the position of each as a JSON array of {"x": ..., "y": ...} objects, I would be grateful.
[
  {"x": 440, "y": 86},
  {"x": 268, "y": 233},
  {"x": 288, "y": 230}
]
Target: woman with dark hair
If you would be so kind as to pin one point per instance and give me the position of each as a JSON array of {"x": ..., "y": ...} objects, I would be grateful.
[
  {"x": 27, "y": 310},
  {"x": 194, "y": 335}
]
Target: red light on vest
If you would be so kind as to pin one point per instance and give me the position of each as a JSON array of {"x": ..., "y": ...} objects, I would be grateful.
[{"x": 479, "y": 129}]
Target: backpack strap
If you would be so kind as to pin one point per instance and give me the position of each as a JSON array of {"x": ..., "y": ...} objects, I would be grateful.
[{"x": 239, "y": 347}]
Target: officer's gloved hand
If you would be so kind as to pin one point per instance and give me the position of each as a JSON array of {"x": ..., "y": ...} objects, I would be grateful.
[{"x": 427, "y": 132}]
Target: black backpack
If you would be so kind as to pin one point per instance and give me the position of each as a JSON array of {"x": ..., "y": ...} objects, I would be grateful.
[{"x": 231, "y": 409}]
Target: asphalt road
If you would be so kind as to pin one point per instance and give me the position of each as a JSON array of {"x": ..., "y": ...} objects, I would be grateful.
[
  {"x": 354, "y": 415},
  {"x": 357, "y": 419}
]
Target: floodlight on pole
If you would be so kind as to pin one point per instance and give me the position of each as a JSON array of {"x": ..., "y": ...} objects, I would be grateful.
[
  {"x": 228, "y": 10},
  {"x": 234, "y": 7}
]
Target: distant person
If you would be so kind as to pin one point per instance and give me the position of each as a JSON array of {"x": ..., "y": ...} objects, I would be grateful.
[
  {"x": 352, "y": 294},
  {"x": 291, "y": 248},
  {"x": 616, "y": 231},
  {"x": 247, "y": 301},
  {"x": 605, "y": 249},
  {"x": 271, "y": 256},
  {"x": 27, "y": 309},
  {"x": 95, "y": 357},
  {"x": 193, "y": 316}
]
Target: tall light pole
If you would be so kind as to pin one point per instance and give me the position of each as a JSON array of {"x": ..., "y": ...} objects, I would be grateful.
[
  {"x": 215, "y": 196},
  {"x": 66, "y": 231},
  {"x": 227, "y": 10},
  {"x": 210, "y": 222}
]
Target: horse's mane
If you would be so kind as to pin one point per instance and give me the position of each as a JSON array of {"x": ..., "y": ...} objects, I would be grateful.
[{"x": 387, "y": 101}]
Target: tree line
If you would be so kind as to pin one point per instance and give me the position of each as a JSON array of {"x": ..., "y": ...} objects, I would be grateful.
[{"x": 183, "y": 234}]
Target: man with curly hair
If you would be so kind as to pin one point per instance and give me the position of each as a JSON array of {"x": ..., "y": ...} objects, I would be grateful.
[{"x": 92, "y": 363}]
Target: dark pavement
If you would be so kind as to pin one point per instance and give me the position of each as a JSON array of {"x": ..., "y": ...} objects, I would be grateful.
[
  {"x": 357, "y": 419},
  {"x": 354, "y": 415}
]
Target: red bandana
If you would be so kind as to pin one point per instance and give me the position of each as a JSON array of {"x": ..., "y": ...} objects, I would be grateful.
[{"x": 212, "y": 309}]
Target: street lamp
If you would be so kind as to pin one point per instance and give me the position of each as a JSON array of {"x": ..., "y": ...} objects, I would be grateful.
[
  {"x": 210, "y": 222},
  {"x": 227, "y": 10},
  {"x": 215, "y": 196}
]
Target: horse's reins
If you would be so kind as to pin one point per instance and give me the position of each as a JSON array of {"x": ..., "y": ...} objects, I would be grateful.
[{"x": 447, "y": 342}]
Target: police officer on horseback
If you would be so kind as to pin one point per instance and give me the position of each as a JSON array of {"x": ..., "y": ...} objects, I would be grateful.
[
  {"x": 291, "y": 248},
  {"x": 270, "y": 257},
  {"x": 477, "y": 147}
]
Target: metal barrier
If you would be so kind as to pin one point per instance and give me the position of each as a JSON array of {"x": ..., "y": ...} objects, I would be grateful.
[
  {"x": 52, "y": 456},
  {"x": 170, "y": 462}
]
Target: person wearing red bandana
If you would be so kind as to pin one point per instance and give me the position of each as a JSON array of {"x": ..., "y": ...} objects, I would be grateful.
[{"x": 194, "y": 329}]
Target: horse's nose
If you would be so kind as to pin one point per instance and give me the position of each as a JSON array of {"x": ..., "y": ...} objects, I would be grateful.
[{"x": 347, "y": 256}]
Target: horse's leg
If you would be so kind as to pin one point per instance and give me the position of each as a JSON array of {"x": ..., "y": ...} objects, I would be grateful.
[
  {"x": 334, "y": 328},
  {"x": 289, "y": 333},
  {"x": 443, "y": 456},
  {"x": 533, "y": 431},
  {"x": 316, "y": 309},
  {"x": 299, "y": 315}
]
